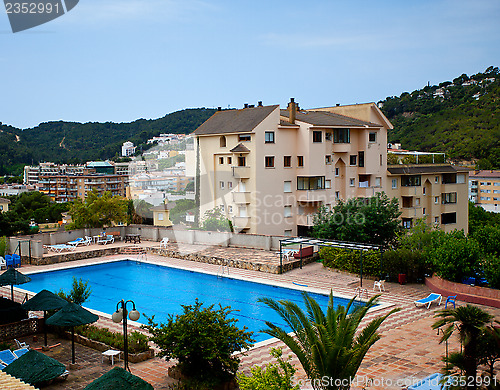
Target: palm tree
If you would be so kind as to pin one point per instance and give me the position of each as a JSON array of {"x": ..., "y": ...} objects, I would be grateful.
[
  {"x": 471, "y": 322},
  {"x": 328, "y": 346}
]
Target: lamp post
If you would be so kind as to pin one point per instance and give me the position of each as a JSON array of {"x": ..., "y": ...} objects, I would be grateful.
[{"x": 119, "y": 315}]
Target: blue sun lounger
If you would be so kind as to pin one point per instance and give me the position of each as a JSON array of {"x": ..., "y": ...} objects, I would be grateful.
[
  {"x": 433, "y": 297},
  {"x": 7, "y": 357}
]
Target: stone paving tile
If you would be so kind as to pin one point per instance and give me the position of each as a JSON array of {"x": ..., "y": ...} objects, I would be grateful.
[{"x": 408, "y": 347}]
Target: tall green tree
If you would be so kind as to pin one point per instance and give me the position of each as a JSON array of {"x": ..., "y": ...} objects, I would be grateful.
[
  {"x": 327, "y": 345},
  {"x": 471, "y": 323},
  {"x": 373, "y": 220},
  {"x": 98, "y": 211}
]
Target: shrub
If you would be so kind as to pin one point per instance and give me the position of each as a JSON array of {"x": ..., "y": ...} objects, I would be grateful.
[
  {"x": 3, "y": 245},
  {"x": 404, "y": 261},
  {"x": 491, "y": 270},
  {"x": 275, "y": 376},
  {"x": 79, "y": 293},
  {"x": 203, "y": 341},
  {"x": 349, "y": 260},
  {"x": 137, "y": 342}
]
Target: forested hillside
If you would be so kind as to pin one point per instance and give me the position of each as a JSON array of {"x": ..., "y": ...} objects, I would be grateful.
[
  {"x": 459, "y": 117},
  {"x": 64, "y": 142}
]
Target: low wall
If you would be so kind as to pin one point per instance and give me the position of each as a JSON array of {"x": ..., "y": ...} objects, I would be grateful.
[
  {"x": 472, "y": 294},
  {"x": 235, "y": 263},
  {"x": 20, "y": 329},
  {"x": 71, "y": 256}
]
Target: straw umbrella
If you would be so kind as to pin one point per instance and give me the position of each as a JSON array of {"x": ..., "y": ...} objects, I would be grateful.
[
  {"x": 72, "y": 315},
  {"x": 35, "y": 367},
  {"x": 119, "y": 379},
  {"x": 13, "y": 277},
  {"x": 45, "y": 300}
]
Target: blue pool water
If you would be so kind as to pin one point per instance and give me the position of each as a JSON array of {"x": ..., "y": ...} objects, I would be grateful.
[{"x": 160, "y": 290}]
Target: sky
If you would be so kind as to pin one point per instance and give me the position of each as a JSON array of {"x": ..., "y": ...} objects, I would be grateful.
[{"x": 120, "y": 60}]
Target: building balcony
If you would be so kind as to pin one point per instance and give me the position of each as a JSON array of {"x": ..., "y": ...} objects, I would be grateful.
[
  {"x": 241, "y": 223},
  {"x": 241, "y": 197},
  {"x": 410, "y": 212},
  {"x": 342, "y": 148},
  {"x": 241, "y": 172},
  {"x": 305, "y": 220},
  {"x": 315, "y": 196},
  {"x": 410, "y": 190}
]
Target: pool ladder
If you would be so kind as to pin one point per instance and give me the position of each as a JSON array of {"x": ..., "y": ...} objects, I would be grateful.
[{"x": 222, "y": 269}]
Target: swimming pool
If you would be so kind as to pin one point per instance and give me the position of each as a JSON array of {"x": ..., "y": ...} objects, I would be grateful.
[{"x": 160, "y": 290}]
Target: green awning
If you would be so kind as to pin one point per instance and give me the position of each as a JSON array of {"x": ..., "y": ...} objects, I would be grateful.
[
  {"x": 35, "y": 367},
  {"x": 44, "y": 300},
  {"x": 72, "y": 315},
  {"x": 119, "y": 379}
]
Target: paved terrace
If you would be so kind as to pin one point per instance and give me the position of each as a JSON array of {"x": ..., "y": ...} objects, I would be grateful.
[{"x": 408, "y": 349}]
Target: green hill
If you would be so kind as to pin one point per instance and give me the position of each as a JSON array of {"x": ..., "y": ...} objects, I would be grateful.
[
  {"x": 460, "y": 118},
  {"x": 71, "y": 142}
]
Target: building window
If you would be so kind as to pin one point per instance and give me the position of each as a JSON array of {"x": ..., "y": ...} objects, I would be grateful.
[
  {"x": 436, "y": 199},
  {"x": 411, "y": 181},
  {"x": 241, "y": 161},
  {"x": 222, "y": 141},
  {"x": 229, "y": 184},
  {"x": 407, "y": 222},
  {"x": 328, "y": 159},
  {"x": 222, "y": 208},
  {"x": 221, "y": 185},
  {"x": 486, "y": 191},
  {"x": 317, "y": 136},
  {"x": 381, "y": 161},
  {"x": 423, "y": 191},
  {"x": 337, "y": 172},
  {"x": 160, "y": 216},
  {"x": 372, "y": 137},
  {"x": 328, "y": 184},
  {"x": 221, "y": 160},
  {"x": 230, "y": 209},
  {"x": 436, "y": 220},
  {"x": 328, "y": 136},
  {"x": 423, "y": 211},
  {"x": 417, "y": 201},
  {"x": 352, "y": 160},
  {"x": 269, "y": 135},
  {"x": 449, "y": 178},
  {"x": 394, "y": 183},
  {"x": 450, "y": 197},
  {"x": 244, "y": 137},
  {"x": 337, "y": 195},
  {"x": 269, "y": 161},
  {"x": 287, "y": 161},
  {"x": 485, "y": 198},
  {"x": 310, "y": 183},
  {"x": 436, "y": 179},
  {"x": 229, "y": 160},
  {"x": 288, "y": 233},
  {"x": 461, "y": 178},
  {"x": 287, "y": 186},
  {"x": 352, "y": 182},
  {"x": 361, "y": 159},
  {"x": 378, "y": 182},
  {"x": 287, "y": 212},
  {"x": 341, "y": 136},
  {"x": 447, "y": 218},
  {"x": 300, "y": 161}
]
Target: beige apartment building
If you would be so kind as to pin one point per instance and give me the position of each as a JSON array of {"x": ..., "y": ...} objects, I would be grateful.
[
  {"x": 270, "y": 169},
  {"x": 484, "y": 189},
  {"x": 435, "y": 193}
]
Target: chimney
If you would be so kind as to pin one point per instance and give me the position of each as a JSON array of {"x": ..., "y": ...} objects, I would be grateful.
[
  {"x": 245, "y": 105},
  {"x": 219, "y": 108},
  {"x": 259, "y": 103},
  {"x": 292, "y": 110}
]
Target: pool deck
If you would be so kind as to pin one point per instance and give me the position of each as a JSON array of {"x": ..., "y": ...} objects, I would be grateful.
[{"x": 408, "y": 349}]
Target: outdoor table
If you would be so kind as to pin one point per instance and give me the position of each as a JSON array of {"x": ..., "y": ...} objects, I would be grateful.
[
  {"x": 135, "y": 238},
  {"x": 110, "y": 353}
]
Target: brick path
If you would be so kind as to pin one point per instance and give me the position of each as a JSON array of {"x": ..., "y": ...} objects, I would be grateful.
[{"x": 408, "y": 347}]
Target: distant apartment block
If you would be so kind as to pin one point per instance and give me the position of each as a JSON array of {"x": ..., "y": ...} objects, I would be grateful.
[
  {"x": 270, "y": 169},
  {"x": 65, "y": 183},
  {"x": 435, "y": 193},
  {"x": 484, "y": 189},
  {"x": 15, "y": 189},
  {"x": 128, "y": 149}
]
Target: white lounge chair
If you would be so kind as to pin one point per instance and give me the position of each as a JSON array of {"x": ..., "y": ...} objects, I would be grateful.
[
  {"x": 164, "y": 242},
  {"x": 60, "y": 248},
  {"x": 380, "y": 284},
  {"x": 3, "y": 264},
  {"x": 20, "y": 344},
  {"x": 78, "y": 241},
  {"x": 433, "y": 297}
]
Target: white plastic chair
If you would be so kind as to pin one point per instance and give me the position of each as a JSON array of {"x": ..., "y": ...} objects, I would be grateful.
[
  {"x": 380, "y": 284},
  {"x": 3, "y": 264},
  {"x": 164, "y": 242}
]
